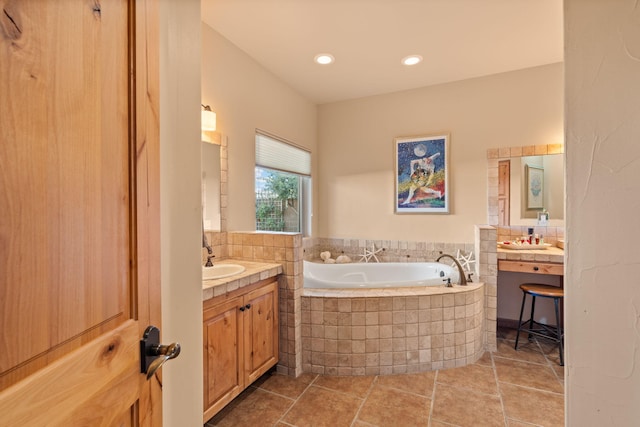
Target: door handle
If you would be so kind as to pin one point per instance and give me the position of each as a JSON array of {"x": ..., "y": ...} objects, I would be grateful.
[
  {"x": 164, "y": 353},
  {"x": 153, "y": 354}
]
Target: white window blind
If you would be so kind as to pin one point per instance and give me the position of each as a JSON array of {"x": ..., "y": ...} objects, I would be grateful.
[{"x": 274, "y": 154}]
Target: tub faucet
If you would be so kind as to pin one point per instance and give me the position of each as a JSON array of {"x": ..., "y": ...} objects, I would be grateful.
[{"x": 463, "y": 279}]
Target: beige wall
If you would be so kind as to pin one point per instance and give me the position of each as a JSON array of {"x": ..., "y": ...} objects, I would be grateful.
[
  {"x": 180, "y": 214},
  {"x": 245, "y": 96},
  {"x": 356, "y": 153},
  {"x": 602, "y": 41}
]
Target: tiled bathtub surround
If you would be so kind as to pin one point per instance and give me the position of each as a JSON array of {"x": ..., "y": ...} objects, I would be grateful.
[
  {"x": 392, "y": 250},
  {"x": 390, "y": 335},
  {"x": 289, "y": 250}
]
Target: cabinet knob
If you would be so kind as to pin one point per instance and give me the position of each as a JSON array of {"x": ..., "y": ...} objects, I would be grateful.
[
  {"x": 536, "y": 268},
  {"x": 242, "y": 308},
  {"x": 248, "y": 306}
]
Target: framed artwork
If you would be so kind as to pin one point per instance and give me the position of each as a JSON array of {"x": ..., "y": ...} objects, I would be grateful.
[
  {"x": 422, "y": 174},
  {"x": 535, "y": 186}
]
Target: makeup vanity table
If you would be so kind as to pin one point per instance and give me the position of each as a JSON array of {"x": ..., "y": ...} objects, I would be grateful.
[
  {"x": 544, "y": 266},
  {"x": 536, "y": 261}
]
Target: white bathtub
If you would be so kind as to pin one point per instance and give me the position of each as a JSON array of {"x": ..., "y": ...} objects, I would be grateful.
[{"x": 377, "y": 275}]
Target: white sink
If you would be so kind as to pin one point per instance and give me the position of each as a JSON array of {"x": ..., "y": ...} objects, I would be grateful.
[{"x": 219, "y": 271}]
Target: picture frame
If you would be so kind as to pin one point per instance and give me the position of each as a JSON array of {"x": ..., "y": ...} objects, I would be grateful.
[
  {"x": 422, "y": 174},
  {"x": 535, "y": 186}
]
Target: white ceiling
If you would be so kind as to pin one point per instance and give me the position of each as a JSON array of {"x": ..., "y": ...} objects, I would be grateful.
[{"x": 458, "y": 39}]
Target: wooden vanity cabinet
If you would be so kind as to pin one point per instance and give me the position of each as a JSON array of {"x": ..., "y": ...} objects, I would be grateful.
[{"x": 240, "y": 336}]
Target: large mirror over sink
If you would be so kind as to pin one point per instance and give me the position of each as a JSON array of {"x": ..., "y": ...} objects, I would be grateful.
[
  {"x": 527, "y": 187},
  {"x": 537, "y": 187},
  {"x": 211, "y": 186}
]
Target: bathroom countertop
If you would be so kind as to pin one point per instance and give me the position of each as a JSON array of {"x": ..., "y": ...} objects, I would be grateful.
[
  {"x": 551, "y": 254},
  {"x": 254, "y": 272}
]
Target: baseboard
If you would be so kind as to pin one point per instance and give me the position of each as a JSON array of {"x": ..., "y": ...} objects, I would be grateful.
[{"x": 507, "y": 323}]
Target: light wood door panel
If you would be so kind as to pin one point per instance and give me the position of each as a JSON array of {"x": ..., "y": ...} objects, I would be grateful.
[
  {"x": 223, "y": 349},
  {"x": 66, "y": 215},
  {"x": 261, "y": 332},
  {"x": 79, "y": 250}
]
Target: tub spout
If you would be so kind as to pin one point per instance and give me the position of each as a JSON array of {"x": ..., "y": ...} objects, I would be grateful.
[{"x": 463, "y": 279}]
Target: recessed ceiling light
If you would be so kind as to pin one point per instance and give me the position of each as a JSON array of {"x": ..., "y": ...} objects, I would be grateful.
[
  {"x": 412, "y": 60},
  {"x": 324, "y": 58}
]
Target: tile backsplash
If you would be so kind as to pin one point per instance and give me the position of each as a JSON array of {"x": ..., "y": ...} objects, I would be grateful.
[{"x": 389, "y": 250}]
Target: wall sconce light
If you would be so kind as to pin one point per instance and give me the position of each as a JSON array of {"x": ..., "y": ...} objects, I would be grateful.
[
  {"x": 208, "y": 126},
  {"x": 208, "y": 120}
]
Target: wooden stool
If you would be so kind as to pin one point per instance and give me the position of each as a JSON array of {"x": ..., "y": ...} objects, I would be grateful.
[{"x": 538, "y": 329}]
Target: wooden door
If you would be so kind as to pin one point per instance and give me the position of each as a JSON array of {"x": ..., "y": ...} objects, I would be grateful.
[
  {"x": 223, "y": 350},
  {"x": 504, "y": 189},
  {"x": 79, "y": 211},
  {"x": 260, "y": 331}
]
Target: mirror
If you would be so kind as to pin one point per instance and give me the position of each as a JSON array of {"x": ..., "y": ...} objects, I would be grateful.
[
  {"x": 537, "y": 182},
  {"x": 210, "y": 186}
]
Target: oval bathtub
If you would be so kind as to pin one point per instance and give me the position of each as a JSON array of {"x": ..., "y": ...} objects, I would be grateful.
[
  {"x": 387, "y": 324},
  {"x": 377, "y": 275}
]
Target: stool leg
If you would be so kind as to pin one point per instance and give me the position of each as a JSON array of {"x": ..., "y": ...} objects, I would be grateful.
[
  {"x": 524, "y": 299},
  {"x": 533, "y": 309},
  {"x": 559, "y": 329}
]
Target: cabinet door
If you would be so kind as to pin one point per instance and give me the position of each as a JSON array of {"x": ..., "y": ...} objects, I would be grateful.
[
  {"x": 223, "y": 348},
  {"x": 261, "y": 331}
]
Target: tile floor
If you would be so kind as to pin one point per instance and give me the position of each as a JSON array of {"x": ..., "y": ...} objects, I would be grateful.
[{"x": 504, "y": 388}]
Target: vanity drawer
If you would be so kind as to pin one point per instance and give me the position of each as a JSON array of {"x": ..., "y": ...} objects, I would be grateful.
[{"x": 531, "y": 267}]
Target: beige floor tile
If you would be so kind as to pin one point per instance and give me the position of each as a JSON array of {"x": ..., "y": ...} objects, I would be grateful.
[
  {"x": 529, "y": 383},
  {"x": 533, "y": 406},
  {"x": 358, "y": 386},
  {"x": 485, "y": 359},
  {"x": 420, "y": 383},
  {"x": 475, "y": 377},
  {"x": 559, "y": 370},
  {"x": 550, "y": 349},
  {"x": 285, "y": 385},
  {"x": 516, "y": 423},
  {"x": 387, "y": 406},
  {"x": 253, "y": 407},
  {"x": 464, "y": 407},
  {"x": 527, "y": 351},
  {"x": 527, "y": 374},
  {"x": 319, "y": 407},
  {"x": 435, "y": 423}
]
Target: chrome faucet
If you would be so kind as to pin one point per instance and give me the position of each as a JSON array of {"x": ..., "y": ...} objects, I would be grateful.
[{"x": 463, "y": 279}]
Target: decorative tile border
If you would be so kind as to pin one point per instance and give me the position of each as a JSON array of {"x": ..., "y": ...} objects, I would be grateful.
[{"x": 392, "y": 250}]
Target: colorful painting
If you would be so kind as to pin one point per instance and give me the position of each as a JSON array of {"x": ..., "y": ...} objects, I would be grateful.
[{"x": 422, "y": 174}]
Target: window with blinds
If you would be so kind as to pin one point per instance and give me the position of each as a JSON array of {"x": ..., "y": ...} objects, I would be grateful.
[{"x": 282, "y": 186}]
